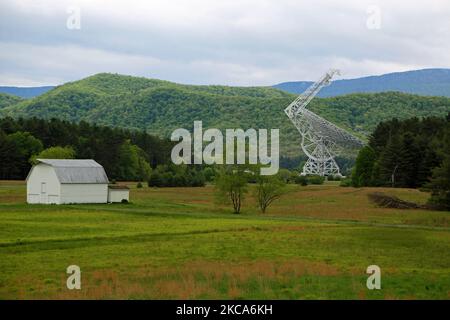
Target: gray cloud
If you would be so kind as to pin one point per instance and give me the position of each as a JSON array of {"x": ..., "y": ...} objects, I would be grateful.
[{"x": 245, "y": 42}]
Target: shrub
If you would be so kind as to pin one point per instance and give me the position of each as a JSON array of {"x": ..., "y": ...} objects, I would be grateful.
[
  {"x": 333, "y": 178},
  {"x": 198, "y": 179},
  {"x": 179, "y": 180},
  {"x": 301, "y": 180},
  {"x": 209, "y": 174},
  {"x": 176, "y": 176},
  {"x": 167, "y": 180},
  {"x": 285, "y": 175},
  {"x": 316, "y": 179},
  {"x": 139, "y": 185},
  {"x": 347, "y": 182},
  {"x": 155, "y": 180}
]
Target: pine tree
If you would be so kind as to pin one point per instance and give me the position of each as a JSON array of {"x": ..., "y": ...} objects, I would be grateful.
[
  {"x": 390, "y": 161},
  {"x": 408, "y": 162},
  {"x": 440, "y": 185},
  {"x": 440, "y": 182}
]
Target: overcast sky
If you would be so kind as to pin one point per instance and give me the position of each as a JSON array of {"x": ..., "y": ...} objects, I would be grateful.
[{"x": 242, "y": 42}]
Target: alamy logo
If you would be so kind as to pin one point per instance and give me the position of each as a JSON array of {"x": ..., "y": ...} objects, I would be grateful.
[
  {"x": 374, "y": 280},
  {"x": 74, "y": 280},
  {"x": 237, "y": 151},
  {"x": 373, "y": 21},
  {"x": 73, "y": 22}
]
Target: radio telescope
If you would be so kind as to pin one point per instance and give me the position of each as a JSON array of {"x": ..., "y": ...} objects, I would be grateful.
[{"x": 321, "y": 139}]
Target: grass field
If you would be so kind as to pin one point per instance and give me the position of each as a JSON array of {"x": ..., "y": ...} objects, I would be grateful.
[{"x": 314, "y": 243}]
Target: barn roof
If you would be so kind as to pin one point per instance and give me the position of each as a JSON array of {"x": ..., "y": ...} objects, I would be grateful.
[{"x": 77, "y": 170}]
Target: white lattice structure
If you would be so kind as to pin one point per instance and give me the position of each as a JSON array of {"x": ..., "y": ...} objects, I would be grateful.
[{"x": 321, "y": 139}]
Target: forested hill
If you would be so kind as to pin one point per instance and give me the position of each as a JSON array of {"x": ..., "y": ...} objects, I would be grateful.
[
  {"x": 427, "y": 82},
  {"x": 161, "y": 106},
  {"x": 8, "y": 100}
]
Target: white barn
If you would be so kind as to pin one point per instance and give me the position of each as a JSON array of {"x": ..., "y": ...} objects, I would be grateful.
[{"x": 67, "y": 181}]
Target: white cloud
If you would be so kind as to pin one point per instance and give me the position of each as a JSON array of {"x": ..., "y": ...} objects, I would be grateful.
[{"x": 242, "y": 42}]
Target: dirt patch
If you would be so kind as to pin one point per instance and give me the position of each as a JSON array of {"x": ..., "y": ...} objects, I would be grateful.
[{"x": 387, "y": 201}]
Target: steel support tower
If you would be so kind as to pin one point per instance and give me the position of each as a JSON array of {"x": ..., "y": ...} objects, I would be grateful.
[{"x": 321, "y": 140}]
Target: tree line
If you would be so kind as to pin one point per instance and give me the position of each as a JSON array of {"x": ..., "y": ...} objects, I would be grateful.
[
  {"x": 412, "y": 153},
  {"x": 125, "y": 154}
]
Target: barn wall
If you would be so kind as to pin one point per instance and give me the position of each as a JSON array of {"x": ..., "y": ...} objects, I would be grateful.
[
  {"x": 116, "y": 195},
  {"x": 43, "y": 173},
  {"x": 84, "y": 193}
]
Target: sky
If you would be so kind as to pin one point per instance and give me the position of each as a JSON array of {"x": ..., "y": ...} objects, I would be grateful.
[{"x": 229, "y": 42}]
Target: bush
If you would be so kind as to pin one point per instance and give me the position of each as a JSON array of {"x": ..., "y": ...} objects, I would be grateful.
[
  {"x": 316, "y": 179},
  {"x": 167, "y": 180},
  {"x": 139, "y": 185},
  {"x": 179, "y": 180},
  {"x": 334, "y": 178},
  {"x": 209, "y": 174},
  {"x": 301, "y": 180},
  {"x": 285, "y": 175},
  {"x": 347, "y": 182},
  {"x": 155, "y": 180},
  {"x": 176, "y": 176},
  {"x": 198, "y": 179}
]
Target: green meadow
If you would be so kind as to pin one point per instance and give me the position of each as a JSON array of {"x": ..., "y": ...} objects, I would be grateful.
[{"x": 178, "y": 243}]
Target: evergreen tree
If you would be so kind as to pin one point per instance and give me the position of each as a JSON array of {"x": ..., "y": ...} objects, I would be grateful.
[
  {"x": 9, "y": 157},
  {"x": 440, "y": 185},
  {"x": 26, "y": 147},
  {"x": 440, "y": 181},
  {"x": 390, "y": 161},
  {"x": 409, "y": 161},
  {"x": 363, "y": 171}
]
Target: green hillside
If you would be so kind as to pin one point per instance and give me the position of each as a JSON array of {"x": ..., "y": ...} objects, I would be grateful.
[
  {"x": 161, "y": 106},
  {"x": 7, "y": 100}
]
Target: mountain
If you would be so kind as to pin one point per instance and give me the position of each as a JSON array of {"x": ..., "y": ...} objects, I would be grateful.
[
  {"x": 7, "y": 100},
  {"x": 161, "y": 106},
  {"x": 25, "y": 92},
  {"x": 426, "y": 82}
]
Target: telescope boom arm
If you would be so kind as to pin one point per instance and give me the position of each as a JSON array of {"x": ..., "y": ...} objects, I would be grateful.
[{"x": 305, "y": 98}]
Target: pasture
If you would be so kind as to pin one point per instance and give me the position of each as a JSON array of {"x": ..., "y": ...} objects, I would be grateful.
[{"x": 314, "y": 243}]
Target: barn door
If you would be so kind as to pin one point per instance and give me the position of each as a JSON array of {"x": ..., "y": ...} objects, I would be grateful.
[{"x": 44, "y": 196}]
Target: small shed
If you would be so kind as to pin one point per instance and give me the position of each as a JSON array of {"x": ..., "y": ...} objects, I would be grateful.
[
  {"x": 118, "y": 193},
  {"x": 67, "y": 181}
]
